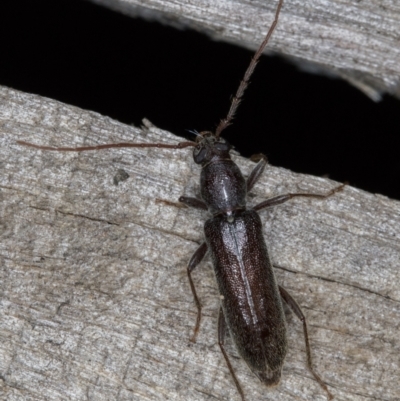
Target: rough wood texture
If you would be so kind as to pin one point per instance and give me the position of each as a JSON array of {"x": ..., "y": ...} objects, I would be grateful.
[
  {"x": 95, "y": 302},
  {"x": 356, "y": 40}
]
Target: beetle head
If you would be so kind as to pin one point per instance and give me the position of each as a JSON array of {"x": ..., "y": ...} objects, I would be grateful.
[{"x": 210, "y": 147}]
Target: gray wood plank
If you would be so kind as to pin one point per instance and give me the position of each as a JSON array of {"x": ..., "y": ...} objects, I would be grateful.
[{"x": 94, "y": 298}]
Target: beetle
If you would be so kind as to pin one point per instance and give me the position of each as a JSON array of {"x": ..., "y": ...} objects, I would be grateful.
[{"x": 251, "y": 300}]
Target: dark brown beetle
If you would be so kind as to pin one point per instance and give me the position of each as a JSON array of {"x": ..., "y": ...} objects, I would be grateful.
[{"x": 251, "y": 300}]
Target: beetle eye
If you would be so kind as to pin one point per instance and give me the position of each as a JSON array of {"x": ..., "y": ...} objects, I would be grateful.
[
  {"x": 222, "y": 146},
  {"x": 200, "y": 154}
]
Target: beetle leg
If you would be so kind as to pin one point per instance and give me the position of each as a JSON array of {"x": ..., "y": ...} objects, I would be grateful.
[
  {"x": 277, "y": 200},
  {"x": 297, "y": 311},
  {"x": 194, "y": 261},
  {"x": 256, "y": 173},
  {"x": 221, "y": 342},
  {"x": 193, "y": 202}
]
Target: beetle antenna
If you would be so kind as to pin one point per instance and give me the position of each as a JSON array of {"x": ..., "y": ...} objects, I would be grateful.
[
  {"x": 245, "y": 81},
  {"x": 179, "y": 145}
]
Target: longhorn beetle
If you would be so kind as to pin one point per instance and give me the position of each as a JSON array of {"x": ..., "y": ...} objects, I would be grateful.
[{"x": 251, "y": 300}]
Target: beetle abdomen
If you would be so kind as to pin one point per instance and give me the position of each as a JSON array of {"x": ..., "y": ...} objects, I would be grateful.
[{"x": 250, "y": 297}]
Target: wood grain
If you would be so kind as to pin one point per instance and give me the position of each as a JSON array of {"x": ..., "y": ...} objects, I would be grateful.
[{"x": 95, "y": 302}]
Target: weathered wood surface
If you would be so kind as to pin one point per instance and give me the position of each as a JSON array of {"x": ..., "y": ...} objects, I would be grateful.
[
  {"x": 95, "y": 302},
  {"x": 356, "y": 40}
]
